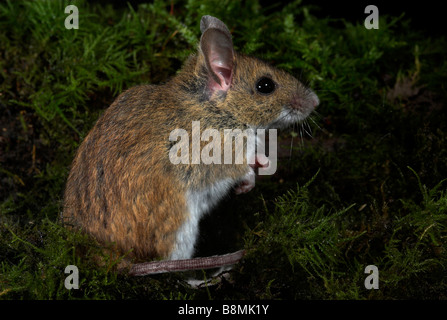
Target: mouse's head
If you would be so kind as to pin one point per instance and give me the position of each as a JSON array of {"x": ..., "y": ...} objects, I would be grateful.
[{"x": 255, "y": 92}]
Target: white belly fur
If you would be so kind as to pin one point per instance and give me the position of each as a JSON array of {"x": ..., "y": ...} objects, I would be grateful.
[{"x": 199, "y": 203}]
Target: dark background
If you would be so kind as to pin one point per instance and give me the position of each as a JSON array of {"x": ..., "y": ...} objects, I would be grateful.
[{"x": 427, "y": 16}]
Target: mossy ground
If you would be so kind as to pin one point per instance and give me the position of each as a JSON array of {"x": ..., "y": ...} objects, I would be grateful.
[{"x": 361, "y": 183}]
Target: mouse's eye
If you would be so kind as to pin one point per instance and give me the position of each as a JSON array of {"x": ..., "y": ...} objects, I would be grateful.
[{"x": 265, "y": 85}]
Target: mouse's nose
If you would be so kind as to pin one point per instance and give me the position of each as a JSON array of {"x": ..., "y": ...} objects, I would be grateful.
[
  {"x": 305, "y": 103},
  {"x": 315, "y": 101}
]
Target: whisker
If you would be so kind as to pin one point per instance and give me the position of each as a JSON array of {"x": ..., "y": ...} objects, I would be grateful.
[
  {"x": 308, "y": 127},
  {"x": 317, "y": 114},
  {"x": 314, "y": 122},
  {"x": 301, "y": 135},
  {"x": 289, "y": 112},
  {"x": 291, "y": 147}
]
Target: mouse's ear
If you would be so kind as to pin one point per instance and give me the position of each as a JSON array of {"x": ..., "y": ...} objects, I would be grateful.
[{"x": 217, "y": 49}]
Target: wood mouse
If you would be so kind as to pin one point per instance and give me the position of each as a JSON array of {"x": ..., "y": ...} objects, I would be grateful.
[{"x": 124, "y": 189}]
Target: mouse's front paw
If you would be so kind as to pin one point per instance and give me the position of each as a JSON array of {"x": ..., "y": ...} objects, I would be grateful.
[{"x": 247, "y": 183}]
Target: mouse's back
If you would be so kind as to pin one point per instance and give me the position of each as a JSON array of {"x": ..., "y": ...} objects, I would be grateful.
[{"x": 124, "y": 188}]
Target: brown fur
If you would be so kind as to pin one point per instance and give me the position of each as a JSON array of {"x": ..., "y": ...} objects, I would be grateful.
[{"x": 123, "y": 189}]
